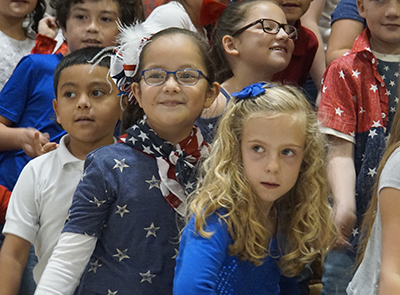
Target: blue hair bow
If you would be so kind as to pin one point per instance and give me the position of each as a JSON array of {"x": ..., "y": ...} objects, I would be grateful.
[{"x": 252, "y": 90}]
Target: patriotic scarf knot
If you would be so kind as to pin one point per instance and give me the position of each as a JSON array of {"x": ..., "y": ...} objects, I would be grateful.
[{"x": 176, "y": 164}]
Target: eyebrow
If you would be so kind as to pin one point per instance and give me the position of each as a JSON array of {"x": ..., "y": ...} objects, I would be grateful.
[
  {"x": 80, "y": 9},
  {"x": 91, "y": 84}
]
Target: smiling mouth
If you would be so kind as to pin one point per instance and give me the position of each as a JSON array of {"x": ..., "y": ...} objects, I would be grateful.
[
  {"x": 171, "y": 103},
  {"x": 92, "y": 42},
  {"x": 278, "y": 49}
]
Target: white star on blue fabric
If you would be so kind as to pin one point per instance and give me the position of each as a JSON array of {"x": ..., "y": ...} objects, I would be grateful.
[
  {"x": 94, "y": 266},
  {"x": 111, "y": 292},
  {"x": 121, "y": 254},
  {"x": 354, "y": 232},
  {"x": 98, "y": 202},
  {"x": 372, "y": 133},
  {"x": 133, "y": 140},
  {"x": 120, "y": 164},
  {"x": 153, "y": 182},
  {"x": 146, "y": 277},
  {"x": 147, "y": 150},
  {"x": 372, "y": 172},
  {"x": 151, "y": 231},
  {"x": 122, "y": 210},
  {"x": 143, "y": 135}
]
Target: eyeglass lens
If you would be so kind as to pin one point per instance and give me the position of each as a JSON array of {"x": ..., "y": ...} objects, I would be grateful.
[{"x": 184, "y": 76}]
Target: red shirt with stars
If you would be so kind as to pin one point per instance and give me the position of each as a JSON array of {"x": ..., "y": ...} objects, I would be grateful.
[{"x": 354, "y": 107}]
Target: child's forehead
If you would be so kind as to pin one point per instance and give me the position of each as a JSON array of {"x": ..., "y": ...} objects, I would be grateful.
[
  {"x": 110, "y": 5},
  {"x": 79, "y": 72}
]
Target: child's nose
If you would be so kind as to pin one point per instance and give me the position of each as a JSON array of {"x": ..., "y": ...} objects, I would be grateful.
[
  {"x": 92, "y": 26},
  {"x": 83, "y": 101},
  {"x": 171, "y": 84},
  {"x": 272, "y": 164}
]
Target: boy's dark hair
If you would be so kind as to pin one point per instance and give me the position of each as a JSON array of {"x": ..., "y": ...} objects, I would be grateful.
[
  {"x": 133, "y": 112},
  {"x": 82, "y": 56},
  {"x": 130, "y": 10},
  {"x": 37, "y": 14}
]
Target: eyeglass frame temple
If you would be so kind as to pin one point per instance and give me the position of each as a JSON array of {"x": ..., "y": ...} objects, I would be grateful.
[{"x": 261, "y": 20}]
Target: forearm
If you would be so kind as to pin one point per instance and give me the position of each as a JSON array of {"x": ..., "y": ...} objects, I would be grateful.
[
  {"x": 13, "y": 256},
  {"x": 65, "y": 267},
  {"x": 10, "y": 138}
]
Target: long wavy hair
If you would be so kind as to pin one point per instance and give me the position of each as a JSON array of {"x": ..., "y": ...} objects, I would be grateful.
[
  {"x": 369, "y": 218},
  {"x": 302, "y": 217},
  {"x": 37, "y": 14}
]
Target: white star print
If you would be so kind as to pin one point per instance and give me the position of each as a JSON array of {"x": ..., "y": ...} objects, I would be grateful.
[
  {"x": 374, "y": 88},
  {"x": 376, "y": 123},
  {"x": 392, "y": 109},
  {"x": 143, "y": 136},
  {"x": 83, "y": 175},
  {"x": 94, "y": 266},
  {"x": 354, "y": 232},
  {"x": 210, "y": 126},
  {"x": 121, "y": 254},
  {"x": 132, "y": 139},
  {"x": 396, "y": 99},
  {"x": 120, "y": 164},
  {"x": 146, "y": 277},
  {"x": 341, "y": 74},
  {"x": 338, "y": 111},
  {"x": 356, "y": 73},
  {"x": 189, "y": 186},
  {"x": 372, "y": 172},
  {"x": 383, "y": 77},
  {"x": 122, "y": 210},
  {"x": 386, "y": 68},
  {"x": 176, "y": 254},
  {"x": 98, "y": 202},
  {"x": 352, "y": 134},
  {"x": 111, "y": 292},
  {"x": 151, "y": 231},
  {"x": 391, "y": 83},
  {"x": 147, "y": 150},
  {"x": 158, "y": 149},
  {"x": 362, "y": 110},
  {"x": 396, "y": 74},
  {"x": 372, "y": 133},
  {"x": 153, "y": 182},
  {"x": 387, "y": 92}
]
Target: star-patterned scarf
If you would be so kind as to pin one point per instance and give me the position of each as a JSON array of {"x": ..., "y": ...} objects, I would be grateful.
[{"x": 176, "y": 164}]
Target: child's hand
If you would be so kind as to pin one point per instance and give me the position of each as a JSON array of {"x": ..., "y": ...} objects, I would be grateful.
[
  {"x": 345, "y": 221},
  {"x": 35, "y": 143},
  {"x": 48, "y": 27}
]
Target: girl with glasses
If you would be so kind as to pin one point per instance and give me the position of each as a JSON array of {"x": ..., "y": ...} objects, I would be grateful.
[
  {"x": 122, "y": 234},
  {"x": 251, "y": 43}
]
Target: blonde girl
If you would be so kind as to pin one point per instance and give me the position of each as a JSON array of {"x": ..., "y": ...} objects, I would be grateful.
[
  {"x": 379, "y": 256},
  {"x": 262, "y": 208}
]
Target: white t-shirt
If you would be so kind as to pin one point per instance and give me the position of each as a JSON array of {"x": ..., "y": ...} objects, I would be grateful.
[
  {"x": 40, "y": 201},
  {"x": 12, "y": 51},
  {"x": 366, "y": 278}
]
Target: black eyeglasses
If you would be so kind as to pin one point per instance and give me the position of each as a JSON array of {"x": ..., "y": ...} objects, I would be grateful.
[
  {"x": 185, "y": 77},
  {"x": 270, "y": 26}
]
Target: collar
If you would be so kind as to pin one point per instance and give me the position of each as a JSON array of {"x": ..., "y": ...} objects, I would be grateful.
[{"x": 64, "y": 154}]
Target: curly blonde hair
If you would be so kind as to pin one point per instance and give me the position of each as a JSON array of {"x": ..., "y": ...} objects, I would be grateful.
[{"x": 302, "y": 217}]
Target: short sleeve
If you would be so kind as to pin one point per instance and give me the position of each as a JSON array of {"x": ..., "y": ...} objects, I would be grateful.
[{"x": 347, "y": 9}]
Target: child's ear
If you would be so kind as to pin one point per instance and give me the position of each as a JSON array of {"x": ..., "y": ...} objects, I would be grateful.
[
  {"x": 211, "y": 94},
  {"x": 361, "y": 8},
  {"x": 229, "y": 44},
  {"x": 55, "y": 107},
  {"x": 137, "y": 93},
  {"x": 123, "y": 102}
]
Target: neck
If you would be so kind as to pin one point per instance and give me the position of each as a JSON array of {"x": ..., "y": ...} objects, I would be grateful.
[
  {"x": 12, "y": 27},
  {"x": 244, "y": 77},
  {"x": 80, "y": 149}
]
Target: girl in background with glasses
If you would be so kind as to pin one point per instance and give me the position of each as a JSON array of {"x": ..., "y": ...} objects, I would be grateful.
[
  {"x": 262, "y": 209},
  {"x": 251, "y": 43},
  {"x": 122, "y": 234}
]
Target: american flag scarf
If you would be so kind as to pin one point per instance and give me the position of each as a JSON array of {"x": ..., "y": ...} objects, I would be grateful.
[{"x": 176, "y": 164}]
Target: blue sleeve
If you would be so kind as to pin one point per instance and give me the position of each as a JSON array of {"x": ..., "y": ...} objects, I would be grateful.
[
  {"x": 200, "y": 259},
  {"x": 288, "y": 285},
  {"x": 15, "y": 94},
  {"x": 346, "y": 9},
  {"x": 92, "y": 199}
]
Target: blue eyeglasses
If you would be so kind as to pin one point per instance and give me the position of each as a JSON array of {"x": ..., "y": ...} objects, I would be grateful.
[
  {"x": 185, "y": 77},
  {"x": 271, "y": 26}
]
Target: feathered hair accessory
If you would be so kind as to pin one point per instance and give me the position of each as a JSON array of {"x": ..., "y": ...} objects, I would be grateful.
[{"x": 125, "y": 63}]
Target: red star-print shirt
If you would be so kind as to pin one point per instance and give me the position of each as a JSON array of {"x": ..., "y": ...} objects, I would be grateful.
[{"x": 354, "y": 107}]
